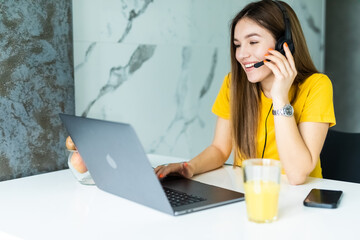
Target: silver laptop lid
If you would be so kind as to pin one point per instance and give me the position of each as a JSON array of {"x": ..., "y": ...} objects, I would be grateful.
[{"x": 116, "y": 160}]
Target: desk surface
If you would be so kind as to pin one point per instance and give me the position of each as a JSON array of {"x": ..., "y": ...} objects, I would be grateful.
[{"x": 56, "y": 206}]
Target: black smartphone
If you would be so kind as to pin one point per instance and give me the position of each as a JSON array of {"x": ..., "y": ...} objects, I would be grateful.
[{"x": 323, "y": 198}]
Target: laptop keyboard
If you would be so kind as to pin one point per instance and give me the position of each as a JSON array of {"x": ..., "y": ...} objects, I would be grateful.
[{"x": 177, "y": 198}]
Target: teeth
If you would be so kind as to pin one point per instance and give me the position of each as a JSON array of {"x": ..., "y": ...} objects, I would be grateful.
[{"x": 249, "y": 65}]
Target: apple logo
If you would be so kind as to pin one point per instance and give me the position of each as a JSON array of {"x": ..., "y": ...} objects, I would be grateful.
[{"x": 111, "y": 161}]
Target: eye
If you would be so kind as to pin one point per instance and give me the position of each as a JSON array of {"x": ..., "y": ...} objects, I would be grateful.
[
  {"x": 253, "y": 42},
  {"x": 236, "y": 45}
]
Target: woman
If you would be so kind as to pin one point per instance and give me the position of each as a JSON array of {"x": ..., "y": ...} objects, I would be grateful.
[{"x": 248, "y": 95}]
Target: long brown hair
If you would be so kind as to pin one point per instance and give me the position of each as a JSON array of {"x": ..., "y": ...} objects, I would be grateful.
[{"x": 245, "y": 96}]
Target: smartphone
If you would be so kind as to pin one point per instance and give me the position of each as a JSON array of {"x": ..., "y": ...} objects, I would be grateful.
[{"x": 322, "y": 198}]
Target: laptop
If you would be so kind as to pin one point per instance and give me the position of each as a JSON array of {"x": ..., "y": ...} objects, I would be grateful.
[{"x": 119, "y": 165}]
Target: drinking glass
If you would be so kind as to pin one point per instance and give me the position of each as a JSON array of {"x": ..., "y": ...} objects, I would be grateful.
[
  {"x": 262, "y": 187},
  {"x": 84, "y": 178}
]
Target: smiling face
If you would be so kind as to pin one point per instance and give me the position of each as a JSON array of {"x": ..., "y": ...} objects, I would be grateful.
[{"x": 252, "y": 42}]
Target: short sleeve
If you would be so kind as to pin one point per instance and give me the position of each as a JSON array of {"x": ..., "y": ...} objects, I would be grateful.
[
  {"x": 221, "y": 105},
  {"x": 319, "y": 106}
]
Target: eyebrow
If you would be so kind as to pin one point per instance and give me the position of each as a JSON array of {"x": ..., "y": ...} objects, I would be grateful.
[{"x": 250, "y": 35}]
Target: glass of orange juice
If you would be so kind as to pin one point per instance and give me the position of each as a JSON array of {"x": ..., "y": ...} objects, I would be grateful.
[{"x": 262, "y": 187}]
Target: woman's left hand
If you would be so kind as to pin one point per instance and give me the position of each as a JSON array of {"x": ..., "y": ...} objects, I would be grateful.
[{"x": 284, "y": 70}]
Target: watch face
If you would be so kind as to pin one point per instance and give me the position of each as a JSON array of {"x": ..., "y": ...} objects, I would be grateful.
[{"x": 288, "y": 110}]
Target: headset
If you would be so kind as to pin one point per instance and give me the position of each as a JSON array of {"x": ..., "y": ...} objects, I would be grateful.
[{"x": 285, "y": 38}]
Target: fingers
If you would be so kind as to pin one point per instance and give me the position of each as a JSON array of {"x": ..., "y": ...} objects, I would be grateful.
[
  {"x": 180, "y": 168},
  {"x": 281, "y": 66},
  {"x": 163, "y": 170},
  {"x": 278, "y": 64},
  {"x": 289, "y": 56}
]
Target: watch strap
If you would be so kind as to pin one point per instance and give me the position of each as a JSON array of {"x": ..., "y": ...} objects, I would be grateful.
[{"x": 287, "y": 111}]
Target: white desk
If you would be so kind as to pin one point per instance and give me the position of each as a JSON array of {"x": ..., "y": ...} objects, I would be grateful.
[{"x": 55, "y": 206}]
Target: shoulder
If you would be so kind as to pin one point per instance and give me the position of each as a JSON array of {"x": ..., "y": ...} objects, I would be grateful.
[
  {"x": 228, "y": 78},
  {"x": 226, "y": 82},
  {"x": 317, "y": 78},
  {"x": 316, "y": 81},
  {"x": 314, "y": 101}
]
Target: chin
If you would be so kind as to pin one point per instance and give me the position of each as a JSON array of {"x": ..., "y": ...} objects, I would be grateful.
[
  {"x": 254, "y": 79},
  {"x": 259, "y": 77}
]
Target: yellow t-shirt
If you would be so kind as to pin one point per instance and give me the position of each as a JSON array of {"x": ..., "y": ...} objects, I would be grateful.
[{"x": 313, "y": 103}]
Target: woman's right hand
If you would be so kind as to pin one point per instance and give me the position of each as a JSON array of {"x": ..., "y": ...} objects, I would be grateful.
[{"x": 184, "y": 169}]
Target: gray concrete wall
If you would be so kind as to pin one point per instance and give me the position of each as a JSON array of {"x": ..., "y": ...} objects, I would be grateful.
[
  {"x": 342, "y": 61},
  {"x": 36, "y": 83}
]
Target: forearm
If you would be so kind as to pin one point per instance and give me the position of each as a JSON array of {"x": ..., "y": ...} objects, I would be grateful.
[
  {"x": 293, "y": 152},
  {"x": 209, "y": 159}
]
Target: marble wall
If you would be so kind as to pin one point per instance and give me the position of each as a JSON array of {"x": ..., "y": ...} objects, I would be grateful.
[
  {"x": 36, "y": 83},
  {"x": 159, "y": 64}
]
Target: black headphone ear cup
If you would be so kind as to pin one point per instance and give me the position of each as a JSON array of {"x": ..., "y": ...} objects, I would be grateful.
[{"x": 279, "y": 45}]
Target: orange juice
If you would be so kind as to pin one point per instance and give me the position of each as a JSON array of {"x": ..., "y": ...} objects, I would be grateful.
[{"x": 261, "y": 200}]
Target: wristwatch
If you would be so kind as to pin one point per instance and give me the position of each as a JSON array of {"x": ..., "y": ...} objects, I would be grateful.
[{"x": 287, "y": 111}]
